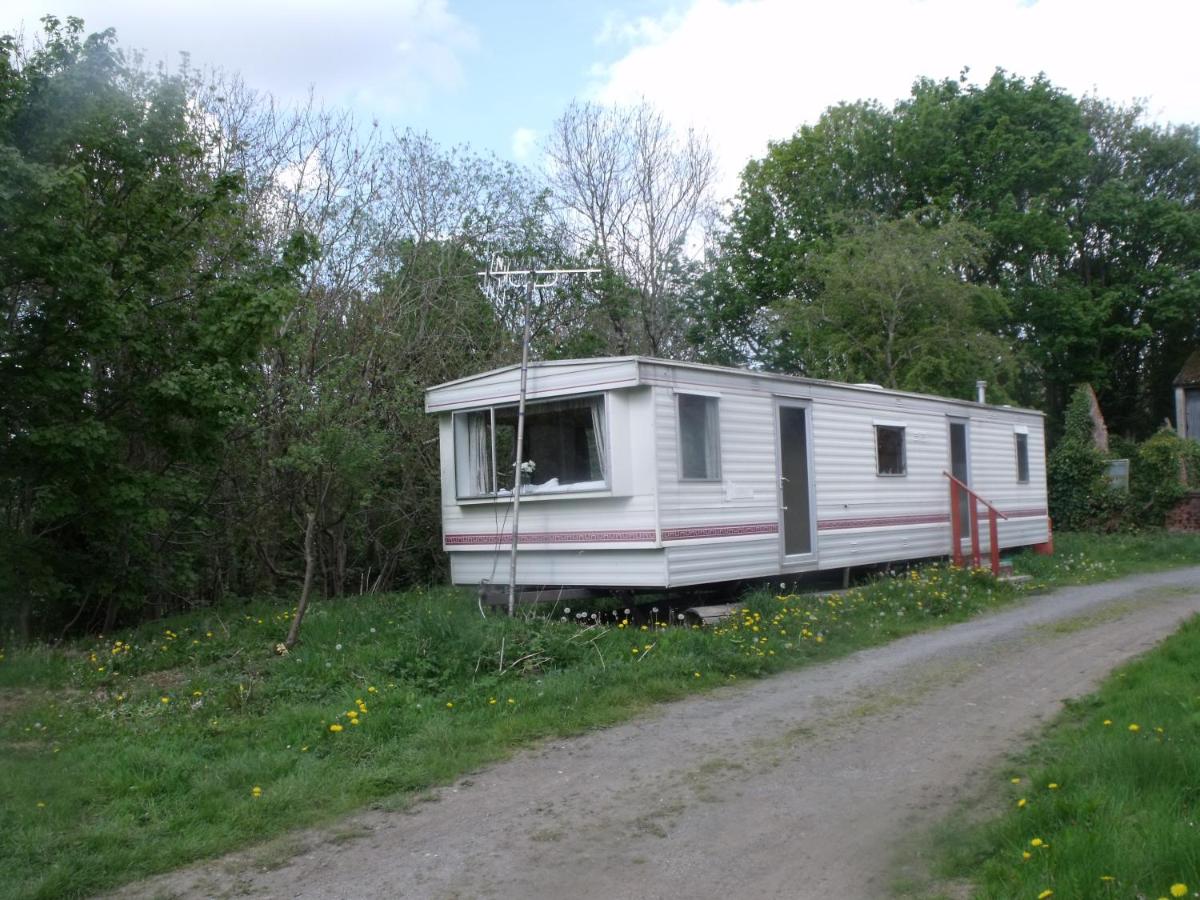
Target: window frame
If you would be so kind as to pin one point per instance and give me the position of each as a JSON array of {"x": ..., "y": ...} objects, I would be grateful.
[
  {"x": 903, "y": 431},
  {"x": 713, "y": 433},
  {"x": 1021, "y": 443},
  {"x": 494, "y": 494}
]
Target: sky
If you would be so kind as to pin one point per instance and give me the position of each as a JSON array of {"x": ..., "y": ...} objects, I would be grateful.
[{"x": 495, "y": 74}]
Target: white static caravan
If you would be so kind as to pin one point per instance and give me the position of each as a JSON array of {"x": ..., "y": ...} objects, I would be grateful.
[{"x": 646, "y": 473}]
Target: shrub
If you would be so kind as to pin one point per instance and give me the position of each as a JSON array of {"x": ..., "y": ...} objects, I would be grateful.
[
  {"x": 1165, "y": 467},
  {"x": 1080, "y": 496}
]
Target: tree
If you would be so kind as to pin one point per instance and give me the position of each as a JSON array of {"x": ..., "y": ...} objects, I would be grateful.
[
  {"x": 135, "y": 295},
  {"x": 630, "y": 195},
  {"x": 897, "y": 306},
  {"x": 1090, "y": 221}
]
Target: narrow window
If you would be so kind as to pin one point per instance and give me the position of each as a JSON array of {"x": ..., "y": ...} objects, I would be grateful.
[
  {"x": 889, "y": 449},
  {"x": 699, "y": 438},
  {"x": 1022, "y": 458}
]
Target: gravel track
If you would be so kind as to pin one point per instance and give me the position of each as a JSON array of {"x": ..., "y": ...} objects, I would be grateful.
[{"x": 810, "y": 784}]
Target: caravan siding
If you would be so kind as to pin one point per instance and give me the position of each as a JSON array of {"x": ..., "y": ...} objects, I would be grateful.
[
  {"x": 563, "y": 566},
  {"x": 728, "y": 529},
  {"x": 866, "y": 517}
]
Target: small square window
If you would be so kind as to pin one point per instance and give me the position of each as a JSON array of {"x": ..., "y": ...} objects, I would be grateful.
[
  {"x": 699, "y": 438},
  {"x": 1022, "y": 458},
  {"x": 889, "y": 449}
]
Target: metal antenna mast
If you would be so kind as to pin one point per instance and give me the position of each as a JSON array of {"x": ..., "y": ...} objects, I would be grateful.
[{"x": 500, "y": 275}]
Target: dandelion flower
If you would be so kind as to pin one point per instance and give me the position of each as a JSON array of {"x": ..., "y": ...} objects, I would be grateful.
[
  {"x": 1052, "y": 786},
  {"x": 164, "y": 699},
  {"x": 1021, "y": 803},
  {"x": 695, "y": 674},
  {"x": 1025, "y": 854},
  {"x": 371, "y": 690},
  {"x": 1037, "y": 842},
  {"x": 511, "y": 700},
  {"x": 449, "y": 705},
  {"x": 1107, "y": 722},
  {"x": 1015, "y": 780},
  {"x": 1107, "y": 878},
  {"x": 256, "y": 791},
  {"x": 1179, "y": 890},
  {"x": 1135, "y": 727},
  {"x": 1046, "y": 893},
  {"x": 41, "y": 805},
  {"x": 335, "y": 727}
]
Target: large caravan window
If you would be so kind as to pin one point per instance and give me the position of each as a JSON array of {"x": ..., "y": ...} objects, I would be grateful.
[
  {"x": 1022, "y": 457},
  {"x": 889, "y": 449},
  {"x": 699, "y": 438},
  {"x": 565, "y": 448}
]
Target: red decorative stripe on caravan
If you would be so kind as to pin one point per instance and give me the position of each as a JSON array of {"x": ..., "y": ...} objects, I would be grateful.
[
  {"x": 719, "y": 531},
  {"x": 551, "y": 537},
  {"x": 927, "y": 519},
  {"x": 883, "y": 521}
]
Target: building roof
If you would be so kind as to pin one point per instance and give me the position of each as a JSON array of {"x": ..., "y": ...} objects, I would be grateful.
[
  {"x": 1189, "y": 375},
  {"x": 552, "y": 377}
]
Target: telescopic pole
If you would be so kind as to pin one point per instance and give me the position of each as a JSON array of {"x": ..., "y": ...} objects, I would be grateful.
[{"x": 512, "y": 553}]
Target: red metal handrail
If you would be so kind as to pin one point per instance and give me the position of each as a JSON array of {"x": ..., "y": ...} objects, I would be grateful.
[{"x": 956, "y": 490}]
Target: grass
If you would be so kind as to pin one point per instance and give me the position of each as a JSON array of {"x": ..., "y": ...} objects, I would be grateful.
[
  {"x": 137, "y": 753},
  {"x": 1107, "y": 803}
]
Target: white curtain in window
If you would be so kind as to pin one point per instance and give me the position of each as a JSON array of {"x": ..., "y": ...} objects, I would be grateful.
[
  {"x": 479, "y": 452},
  {"x": 600, "y": 435}
]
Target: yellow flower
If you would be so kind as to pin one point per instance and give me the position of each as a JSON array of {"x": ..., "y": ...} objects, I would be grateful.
[
  {"x": 1037, "y": 842},
  {"x": 1179, "y": 890},
  {"x": 164, "y": 699},
  {"x": 41, "y": 805},
  {"x": 370, "y": 690},
  {"x": 511, "y": 700},
  {"x": 1016, "y": 780},
  {"x": 633, "y": 649},
  {"x": 1046, "y": 893},
  {"x": 491, "y": 701},
  {"x": 1107, "y": 722},
  {"x": 354, "y": 722},
  {"x": 256, "y": 791},
  {"x": 695, "y": 674},
  {"x": 1025, "y": 854},
  {"x": 1107, "y": 878},
  {"x": 449, "y": 705},
  {"x": 335, "y": 727},
  {"x": 1052, "y": 786},
  {"x": 1021, "y": 803},
  {"x": 1135, "y": 727}
]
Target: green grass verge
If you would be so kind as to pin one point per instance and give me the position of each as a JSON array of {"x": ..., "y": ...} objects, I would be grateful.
[
  {"x": 140, "y": 752},
  {"x": 1107, "y": 803}
]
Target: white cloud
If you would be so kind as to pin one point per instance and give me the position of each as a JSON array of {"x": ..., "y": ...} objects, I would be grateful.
[
  {"x": 406, "y": 50},
  {"x": 524, "y": 143},
  {"x": 752, "y": 71}
]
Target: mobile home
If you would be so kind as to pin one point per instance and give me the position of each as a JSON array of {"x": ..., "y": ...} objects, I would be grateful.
[{"x": 646, "y": 473}]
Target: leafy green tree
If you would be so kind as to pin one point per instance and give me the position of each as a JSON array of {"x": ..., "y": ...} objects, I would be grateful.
[
  {"x": 896, "y": 305},
  {"x": 1089, "y": 215},
  {"x": 135, "y": 298}
]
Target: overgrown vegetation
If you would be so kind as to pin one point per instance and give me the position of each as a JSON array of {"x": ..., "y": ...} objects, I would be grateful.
[
  {"x": 1162, "y": 470},
  {"x": 1106, "y": 803},
  {"x": 386, "y": 696},
  {"x": 220, "y": 314}
]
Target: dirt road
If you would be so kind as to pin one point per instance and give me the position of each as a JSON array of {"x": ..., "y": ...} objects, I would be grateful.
[{"x": 805, "y": 785}]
